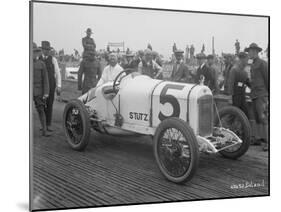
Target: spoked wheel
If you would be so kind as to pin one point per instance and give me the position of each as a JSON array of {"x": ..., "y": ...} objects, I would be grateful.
[
  {"x": 234, "y": 119},
  {"x": 76, "y": 124},
  {"x": 176, "y": 150}
]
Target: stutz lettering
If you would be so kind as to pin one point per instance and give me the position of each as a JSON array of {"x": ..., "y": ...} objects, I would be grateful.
[{"x": 138, "y": 116}]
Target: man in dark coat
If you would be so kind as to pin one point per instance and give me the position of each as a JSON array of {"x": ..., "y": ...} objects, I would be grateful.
[
  {"x": 180, "y": 72},
  {"x": 259, "y": 89},
  {"x": 210, "y": 63},
  {"x": 204, "y": 71},
  {"x": 88, "y": 43},
  {"x": 238, "y": 81},
  {"x": 40, "y": 87},
  {"x": 91, "y": 69},
  {"x": 54, "y": 77},
  {"x": 228, "y": 61}
]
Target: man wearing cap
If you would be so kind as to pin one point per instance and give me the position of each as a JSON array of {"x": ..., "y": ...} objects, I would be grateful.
[
  {"x": 111, "y": 70},
  {"x": 88, "y": 43},
  {"x": 54, "y": 77},
  {"x": 180, "y": 72},
  {"x": 91, "y": 69},
  {"x": 259, "y": 89},
  {"x": 238, "y": 81},
  {"x": 40, "y": 87},
  {"x": 204, "y": 71},
  {"x": 149, "y": 67}
]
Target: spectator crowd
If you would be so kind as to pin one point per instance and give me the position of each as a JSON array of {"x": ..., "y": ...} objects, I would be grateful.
[{"x": 242, "y": 77}]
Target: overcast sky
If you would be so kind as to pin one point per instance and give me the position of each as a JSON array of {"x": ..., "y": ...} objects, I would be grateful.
[{"x": 65, "y": 25}]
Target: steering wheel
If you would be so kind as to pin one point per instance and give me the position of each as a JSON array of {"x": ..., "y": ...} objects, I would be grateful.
[{"x": 117, "y": 83}]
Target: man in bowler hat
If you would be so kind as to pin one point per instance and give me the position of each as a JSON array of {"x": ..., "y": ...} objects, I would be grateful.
[
  {"x": 40, "y": 87},
  {"x": 259, "y": 89},
  {"x": 54, "y": 77}
]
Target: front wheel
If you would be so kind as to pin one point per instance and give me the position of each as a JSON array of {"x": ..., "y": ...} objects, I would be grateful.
[
  {"x": 76, "y": 124},
  {"x": 176, "y": 150},
  {"x": 234, "y": 119}
]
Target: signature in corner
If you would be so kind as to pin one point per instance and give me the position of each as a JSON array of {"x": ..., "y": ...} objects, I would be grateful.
[{"x": 248, "y": 184}]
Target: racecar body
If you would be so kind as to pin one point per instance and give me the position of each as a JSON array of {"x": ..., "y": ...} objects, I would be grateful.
[{"x": 179, "y": 116}]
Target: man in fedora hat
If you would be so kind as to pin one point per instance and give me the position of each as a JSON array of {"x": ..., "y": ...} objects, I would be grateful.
[
  {"x": 180, "y": 72},
  {"x": 259, "y": 89},
  {"x": 204, "y": 71},
  {"x": 91, "y": 69},
  {"x": 54, "y": 77},
  {"x": 40, "y": 87},
  {"x": 88, "y": 43},
  {"x": 238, "y": 81}
]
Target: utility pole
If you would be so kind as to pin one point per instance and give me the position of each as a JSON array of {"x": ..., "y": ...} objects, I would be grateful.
[{"x": 213, "y": 45}]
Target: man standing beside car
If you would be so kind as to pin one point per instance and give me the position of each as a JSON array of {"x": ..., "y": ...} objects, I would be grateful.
[
  {"x": 91, "y": 69},
  {"x": 238, "y": 81},
  {"x": 54, "y": 77},
  {"x": 40, "y": 87},
  {"x": 259, "y": 89},
  {"x": 180, "y": 72},
  {"x": 204, "y": 71}
]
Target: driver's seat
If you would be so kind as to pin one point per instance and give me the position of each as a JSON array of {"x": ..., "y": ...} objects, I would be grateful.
[{"x": 108, "y": 92}]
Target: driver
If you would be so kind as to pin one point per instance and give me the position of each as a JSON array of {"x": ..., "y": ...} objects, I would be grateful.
[{"x": 111, "y": 70}]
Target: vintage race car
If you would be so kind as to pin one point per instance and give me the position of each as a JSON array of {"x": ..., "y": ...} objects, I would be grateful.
[{"x": 181, "y": 118}]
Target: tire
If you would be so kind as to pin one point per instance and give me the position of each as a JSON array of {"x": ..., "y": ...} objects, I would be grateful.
[
  {"x": 76, "y": 125},
  {"x": 163, "y": 159},
  {"x": 244, "y": 133}
]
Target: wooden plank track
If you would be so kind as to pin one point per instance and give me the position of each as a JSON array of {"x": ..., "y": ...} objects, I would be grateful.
[{"x": 114, "y": 171}]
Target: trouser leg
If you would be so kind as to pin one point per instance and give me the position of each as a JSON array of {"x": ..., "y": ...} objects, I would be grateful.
[
  {"x": 42, "y": 118},
  {"x": 49, "y": 106}
]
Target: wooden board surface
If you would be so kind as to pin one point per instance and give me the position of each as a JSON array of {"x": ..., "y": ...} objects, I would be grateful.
[{"x": 114, "y": 171}]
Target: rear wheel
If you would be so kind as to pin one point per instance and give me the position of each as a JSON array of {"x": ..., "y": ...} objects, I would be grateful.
[
  {"x": 76, "y": 124},
  {"x": 234, "y": 119},
  {"x": 176, "y": 150}
]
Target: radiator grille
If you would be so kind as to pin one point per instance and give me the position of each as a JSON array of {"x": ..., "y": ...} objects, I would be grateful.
[{"x": 205, "y": 115}]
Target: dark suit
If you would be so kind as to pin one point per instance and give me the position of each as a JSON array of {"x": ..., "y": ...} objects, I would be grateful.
[
  {"x": 226, "y": 74},
  {"x": 52, "y": 85},
  {"x": 238, "y": 80},
  {"x": 40, "y": 88},
  {"x": 180, "y": 73},
  {"x": 259, "y": 90},
  {"x": 92, "y": 73},
  {"x": 209, "y": 75}
]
